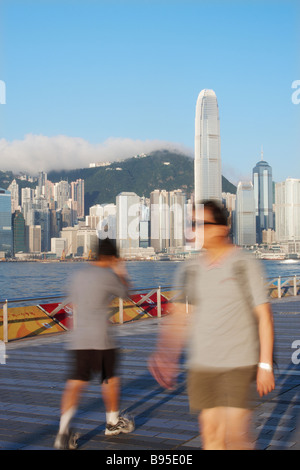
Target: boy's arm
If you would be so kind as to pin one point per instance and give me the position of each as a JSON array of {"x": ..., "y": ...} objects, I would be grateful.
[
  {"x": 265, "y": 375},
  {"x": 163, "y": 363}
]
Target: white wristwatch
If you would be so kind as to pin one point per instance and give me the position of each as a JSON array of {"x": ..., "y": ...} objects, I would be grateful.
[{"x": 265, "y": 366}]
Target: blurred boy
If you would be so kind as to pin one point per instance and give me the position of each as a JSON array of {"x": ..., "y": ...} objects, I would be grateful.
[{"x": 91, "y": 344}]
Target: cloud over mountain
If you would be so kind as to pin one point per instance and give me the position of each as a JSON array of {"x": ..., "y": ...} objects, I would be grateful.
[{"x": 38, "y": 152}]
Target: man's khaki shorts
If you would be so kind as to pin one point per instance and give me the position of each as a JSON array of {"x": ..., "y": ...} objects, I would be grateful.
[{"x": 209, "y": 388}]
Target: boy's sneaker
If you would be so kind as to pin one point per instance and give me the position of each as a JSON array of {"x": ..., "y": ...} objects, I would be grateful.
[
  {"x": 66, "y": 441},
  {"x": 124, "y": 425}
]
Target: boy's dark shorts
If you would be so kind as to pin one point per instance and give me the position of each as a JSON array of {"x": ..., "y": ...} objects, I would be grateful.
[{"x": 87, "y": 363}]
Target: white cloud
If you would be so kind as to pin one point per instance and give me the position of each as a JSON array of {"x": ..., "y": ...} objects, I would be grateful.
[{"x": 38, "y": 152}]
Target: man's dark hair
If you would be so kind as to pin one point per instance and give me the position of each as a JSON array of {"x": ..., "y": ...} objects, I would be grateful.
[
  {"x": 107, "y": 247},
  {"x": 218, "y": 211}
]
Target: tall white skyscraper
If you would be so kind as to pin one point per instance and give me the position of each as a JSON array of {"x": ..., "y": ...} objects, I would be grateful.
[
  {"x": 245, "y": 223},
  {"x": 128, "y": 205},
  {"x": 27, "y": 195},
  {"x": 14, "y": 191},
  {"x": 167, "y": 219},
  {"x": 160, "y": 219},
  {"x": 207, "y": 170},
  {"x": 77, "y": 196},
  {"x": 287, "y": 210},
  {"x": 177, "y": 218},
  {"x": 61, "y": 193}
]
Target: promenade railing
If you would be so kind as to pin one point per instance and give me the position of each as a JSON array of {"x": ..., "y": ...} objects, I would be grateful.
[
  {"x": 62, "y": 301},
  {"x": 278, "y": 287},
  {"x": 283, "y": 286}
]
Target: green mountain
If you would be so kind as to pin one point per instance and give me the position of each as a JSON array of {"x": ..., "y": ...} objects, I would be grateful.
[{"x": 141, "y": 175}]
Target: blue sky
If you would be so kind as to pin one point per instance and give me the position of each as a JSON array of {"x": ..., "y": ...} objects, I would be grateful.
[{"x": 99, "y": 80}]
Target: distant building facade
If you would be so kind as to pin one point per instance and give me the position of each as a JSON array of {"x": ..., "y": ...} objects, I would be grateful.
[
  {"x": 14, "y": 191},
  {"x": 77, "y": 196},
  {"x": 19, "y": 233},
  {"x": 6, "y": 239},
  {"x": 58, "y": 246},
  {"x": 263, "y": 195},
  {"x": 167, "y": 219},
  {"x": 245, "y": 223},
  {"x": 34, "y": 237},
  {"x": 128, "y": 204},
  {"x": 160, "y": 220},
  {"x": 287, "y": 210}
]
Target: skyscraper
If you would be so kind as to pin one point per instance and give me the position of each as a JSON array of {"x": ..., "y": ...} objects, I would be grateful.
[
  {"x": 19, "y": 234},
  {"x": 42, "y": 219},
  {"x": 42, "y": 181},
  {"x": 14, "y": 191},
  {"x": 34, "y": 238},
  {"x": 160, "y": 219},
  {"x": 128, "y": 205},
  {"x": 5, "y": 222},
  {"x": 167, "y": 219},
  {"x": 61, "y": 193},
  {"x": 207, "y": 169},
  {"x": 263, "y": 195},
  {"x": 245, "y": 215},
  {"x": 77, "y": 195},
  {"x": 27, "y": 195},
  {"x": 287, "y": 210},
  {"x": 177, "y": 218}
]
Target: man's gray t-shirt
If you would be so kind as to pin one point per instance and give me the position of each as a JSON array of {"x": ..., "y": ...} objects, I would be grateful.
[
  {"x": 91, "y": 291},
  {"x": 223, "y": 327}
]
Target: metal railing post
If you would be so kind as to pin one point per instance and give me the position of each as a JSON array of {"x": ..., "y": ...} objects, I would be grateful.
[
  {"x": 159, "y": 302},
  {"x": 279, "y": 287},
  {"x": 120, "y": 310},
  {"x": 5, "y": 322}
]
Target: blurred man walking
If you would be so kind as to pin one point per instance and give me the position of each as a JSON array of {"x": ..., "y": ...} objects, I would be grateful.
[{"x": 229, "y": 334}]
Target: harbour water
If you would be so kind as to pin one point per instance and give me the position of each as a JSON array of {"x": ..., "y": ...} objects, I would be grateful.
[{"x": 35, "y": 279}]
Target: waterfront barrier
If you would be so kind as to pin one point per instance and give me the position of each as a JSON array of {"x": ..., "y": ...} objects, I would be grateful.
[
  {"x": 56, "y": 314},
  {"x": 283, "y": 286},
  {"x": 19, "y": 319}
]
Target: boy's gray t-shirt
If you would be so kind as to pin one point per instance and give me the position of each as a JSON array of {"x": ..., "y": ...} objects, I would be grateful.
[
  {"x": 91, "y": 291},
  {"x": 223, "y": 330}
]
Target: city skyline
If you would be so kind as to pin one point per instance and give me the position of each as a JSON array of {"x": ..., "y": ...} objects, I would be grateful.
[
  {"x": 46, "y": 220},
  {"x": 122, "y": 78}
]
